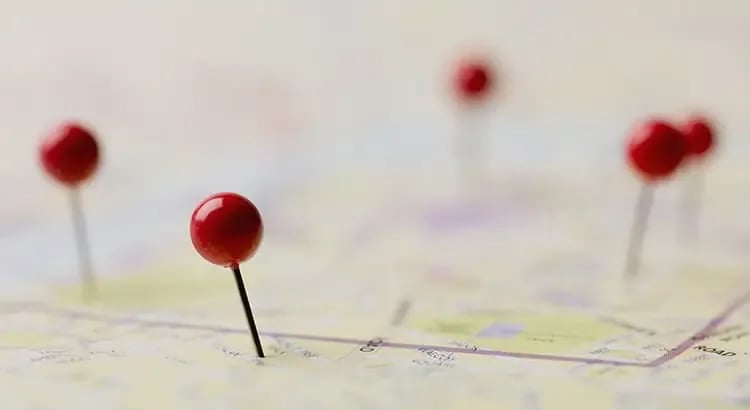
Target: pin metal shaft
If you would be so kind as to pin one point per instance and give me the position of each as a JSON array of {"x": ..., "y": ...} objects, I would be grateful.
[
  {"x": 638, "y": 230},
  {"x": 248, "y": 310},
  {"x": 82, "y": 245}
]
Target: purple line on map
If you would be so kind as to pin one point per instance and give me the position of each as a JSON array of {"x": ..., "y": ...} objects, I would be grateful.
[
  {"x": 567, "y": 298},
  {"x": 705, "y": 332},
  {"x": 673, "y": 353},
  {"x": 501, "y": 330},
  {"x": 462, "y": 216},
  {"x": 485, "y": 352},
  {"x": 395, "y": 345}
]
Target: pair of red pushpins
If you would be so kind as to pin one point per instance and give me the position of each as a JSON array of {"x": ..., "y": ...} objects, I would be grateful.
[
  {"x": 225, "y": 228},
  {"x": 656, "y": 149}
]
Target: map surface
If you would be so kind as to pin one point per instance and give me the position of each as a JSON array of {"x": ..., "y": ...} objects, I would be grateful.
[
  {"x": 384, "y": 279},
  {"x": 391, "y": 283}
]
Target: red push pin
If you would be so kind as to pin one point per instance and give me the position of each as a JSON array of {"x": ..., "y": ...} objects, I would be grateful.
[
  {"x": 655, "y": 150},
  {"x": 226, "y": 229},
  {"x": 473, "y": 84},
  {"x": 700, "y": 137},
  {"x": 473, "y": 81},
  {"x": 71, "y": 156}
]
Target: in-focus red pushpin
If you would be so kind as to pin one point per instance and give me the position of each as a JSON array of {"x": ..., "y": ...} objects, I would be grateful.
[
  {"x": 70, "y": 155},
  {"x": 473, "y": 83},
  {"x": 700, "y": 136},
  {"x": 226, "y": 230},
  {"x": 655, "y": 150}
]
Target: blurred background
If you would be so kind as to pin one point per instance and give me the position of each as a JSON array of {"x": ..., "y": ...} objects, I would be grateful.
[
  {"x": 190, "y": 70},
  {"x": 173, "y": 86}
]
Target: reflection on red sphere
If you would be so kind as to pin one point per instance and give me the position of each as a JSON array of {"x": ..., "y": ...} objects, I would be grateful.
[
  {"x": 70, "y": 154},
  {"x": 226, "y": 229},
  {"x": 655, "y": 149}
]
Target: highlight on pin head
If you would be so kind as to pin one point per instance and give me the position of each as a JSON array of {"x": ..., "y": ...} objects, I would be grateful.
[
  {"x": 226, "y": 229},
  {"x": 655, "y": 149},
  {"x": 70, "y": 154}
]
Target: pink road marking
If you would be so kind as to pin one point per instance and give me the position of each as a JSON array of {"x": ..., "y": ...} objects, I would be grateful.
[
  {"x": 330, "y": 339},
  {"x": 703, "y": 333}
]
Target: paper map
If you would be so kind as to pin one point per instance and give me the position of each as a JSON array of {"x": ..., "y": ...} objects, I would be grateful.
[
  {"x": 382, "y": 282},
  {"x": 378, "y": 287}
]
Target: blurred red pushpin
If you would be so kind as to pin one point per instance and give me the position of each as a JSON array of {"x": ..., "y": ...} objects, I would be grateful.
[
  {"x": 474, "y": 81},
  {"x": 655, "y": 150},
  {"x": 473, "y": 84},
  {"x": 70, "y": 155},
  {"x": 700, "y": 137},
  {"x": 226, "y": 229}
]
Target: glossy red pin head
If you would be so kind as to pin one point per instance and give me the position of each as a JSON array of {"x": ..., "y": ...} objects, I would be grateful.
[
  {"x": 655, "y": 149},
  {"x": 226, "y": 229},
  {"x": 700, "y": 136},
  {"x": 473, "y": 80},
  {"x": 70, "y": 154}
]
